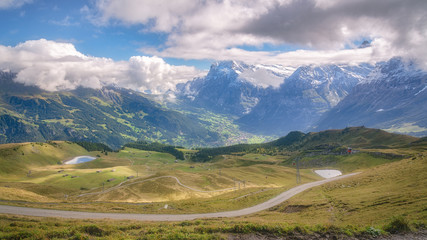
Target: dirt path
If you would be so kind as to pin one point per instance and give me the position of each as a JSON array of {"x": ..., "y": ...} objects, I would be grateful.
[
  {"x": 121, "y": 185},
  {"x": 167, "y": 217}
]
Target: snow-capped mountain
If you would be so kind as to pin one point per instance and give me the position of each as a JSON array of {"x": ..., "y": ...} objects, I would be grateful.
[
  {"x": 393, "y": 97},
  {"x": 233, "y": 87},
  {"x": 303, "y": 97}
]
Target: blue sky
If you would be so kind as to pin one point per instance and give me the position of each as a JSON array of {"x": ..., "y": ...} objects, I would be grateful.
[
  {"x": 64, "y": 21},
  {"x": 157, "y": 44}
]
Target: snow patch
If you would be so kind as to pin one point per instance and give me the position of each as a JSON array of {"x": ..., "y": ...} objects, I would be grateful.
[
  {"x": 421, "y": 91},
  {"x": 80, "y": 159},
  {"x": 328, "y": 173},
  {"x": 261, "y": 77}
]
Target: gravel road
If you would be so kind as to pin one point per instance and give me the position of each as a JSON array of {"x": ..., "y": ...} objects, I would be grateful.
[{"x": 166, "y": 217}]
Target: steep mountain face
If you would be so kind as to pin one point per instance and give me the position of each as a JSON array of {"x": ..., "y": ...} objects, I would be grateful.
[
  {"x": 109, "y": 115},
  {"x": 233, "y": 87},
  {"x": 393, "y": 97},
  {"x": 303, "y": 97}
]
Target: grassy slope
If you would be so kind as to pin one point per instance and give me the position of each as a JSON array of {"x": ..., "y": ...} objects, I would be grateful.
[
  {"x": 253, "y": 172},
  {"x": 370, "y": 199},
  {"x": 344, "y": 163},
  {"x": 360, "y": 137},
  {"x": 18, "y": 159},
  {"x": 364, "y": 206}
]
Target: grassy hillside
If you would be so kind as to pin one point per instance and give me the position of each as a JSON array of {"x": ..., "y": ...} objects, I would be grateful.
[
  {"x": 373, "y": 198},
  {"x": 389, "y": 195},
  {"x": 145, "y": 175},
  {"x": 388, "y": 199},
  {"x": 140, "y": 176},
  {"x": 325, "y": 142},
  {"x": 18, "y": 159},
  {"x": 360, "y": 137}
]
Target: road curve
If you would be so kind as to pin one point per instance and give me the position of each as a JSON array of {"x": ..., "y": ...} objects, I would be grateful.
[{"x": 166, "y": 217}]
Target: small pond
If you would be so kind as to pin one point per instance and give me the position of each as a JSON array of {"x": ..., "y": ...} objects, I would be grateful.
[
  {"x": 80, "y": 159},
  {"x": 328, "y": 173}
]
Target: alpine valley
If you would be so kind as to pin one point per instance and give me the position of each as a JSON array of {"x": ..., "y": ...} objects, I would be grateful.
[{"x": 234, "y": 103}]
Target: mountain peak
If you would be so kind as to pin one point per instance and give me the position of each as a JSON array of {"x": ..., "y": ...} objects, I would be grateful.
[
  {"x": 394, "y": 68},
  {"x": 228, "y": 67},
  {"x": 318, "y": 75}
]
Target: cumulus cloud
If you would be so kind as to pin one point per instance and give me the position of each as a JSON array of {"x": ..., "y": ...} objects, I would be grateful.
[
  {"x": 335, "y": 24},
  {"x": 218, "y": 29},
  {"x": 8, "y": 4},
  {"x": 56, "y": 66},
  {"x": 160, "y": 15},
  {"x": 190, "y": 23}
]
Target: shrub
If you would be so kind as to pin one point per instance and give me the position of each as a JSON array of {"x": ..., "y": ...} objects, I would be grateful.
[
  {"x": 373, "y": 232},
  {"x": 94, "y": 230},
  {"x": 398, "y": 225},
  {"x": 18, "y": 235}
]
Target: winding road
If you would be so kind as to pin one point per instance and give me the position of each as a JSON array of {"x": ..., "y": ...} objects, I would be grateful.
[{"x": 166, "y": 217}]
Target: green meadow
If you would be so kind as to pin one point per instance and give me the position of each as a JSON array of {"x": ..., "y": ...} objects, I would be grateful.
[{"x": 388, "y": 196}]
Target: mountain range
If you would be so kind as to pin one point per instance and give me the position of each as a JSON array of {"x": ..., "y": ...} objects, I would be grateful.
[
  {"x": 389, "y": 95},
  {"x": 393, "y": 97},
  {"x": 235, "y": 102}
]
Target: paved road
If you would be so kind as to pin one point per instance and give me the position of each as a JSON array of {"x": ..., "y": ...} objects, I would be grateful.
[{"x": 166, "y": 217}]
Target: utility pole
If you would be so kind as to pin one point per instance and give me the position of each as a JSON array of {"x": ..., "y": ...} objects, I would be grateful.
[{"x": 298, "y": 175}]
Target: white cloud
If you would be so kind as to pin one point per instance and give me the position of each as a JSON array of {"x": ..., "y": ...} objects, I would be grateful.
[
  {"x": 59, "y": 66},
  {"x": 379, "y": 50},
  {"x": 8, "y": 4},
  {"x": 199, "y": 29}
]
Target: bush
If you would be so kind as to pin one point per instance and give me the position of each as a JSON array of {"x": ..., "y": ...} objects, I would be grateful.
[
  {"x": 373, "y": 232},
  {"x": 18, "y": 235},
  {"x": 94, "y": 230},
  {"x": 398, "y": 225}
]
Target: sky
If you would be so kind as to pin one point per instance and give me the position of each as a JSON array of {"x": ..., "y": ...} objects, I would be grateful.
[{"x": 151, "y": 45}]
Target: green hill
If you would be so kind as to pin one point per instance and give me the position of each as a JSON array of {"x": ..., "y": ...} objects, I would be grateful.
[
  {"x": 330, "y": 141},
  {"x": 20, "y": 158}
]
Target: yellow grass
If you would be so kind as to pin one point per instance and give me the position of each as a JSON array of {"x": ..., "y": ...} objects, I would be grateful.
[{"x": 15, "y": 194}]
